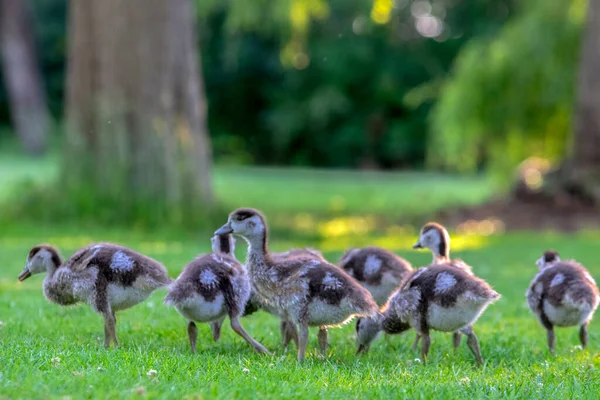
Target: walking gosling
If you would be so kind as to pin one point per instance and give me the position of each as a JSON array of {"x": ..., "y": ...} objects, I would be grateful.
[
  {"x": 209, "y": 288},
  {"x": 106, "y": 276},
  {"x": 225, "y": 244},
  {"x": 563, "y": 293},
  {"x": 439, "y": 297},
  {"x": 308, "y": 291},
  {"x": 436, "y": 238}
]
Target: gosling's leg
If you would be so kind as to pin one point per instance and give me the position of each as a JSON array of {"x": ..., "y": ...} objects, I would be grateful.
[
  {"x": 237, "y": 327},
  {"x": 551, "y": 339},
  {"x": 473, "y": 344},
  {"x": 416, "y": 342},
  {"x": 455, "y": 340},
  {"x": 192, "y": 335},
  {"x": 215, "y": 327},
  {"x": 323, "y": 343},
  {"x": 302, "y": 341},
  {"x": 292, "y": 332},
  {"x": 285, "y": 340},
  {"x": 583, "y": 335},
  {"x": 109, "y": 329},
  {"x": 425, "y": 344},
  {"x": 114, "y": 330}
]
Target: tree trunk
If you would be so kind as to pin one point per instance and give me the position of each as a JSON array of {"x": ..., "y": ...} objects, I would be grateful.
[
  {"x": 136, "y": 110},
  {"x": 577, "y": 181},
  {"x": 22, "y": 76}
]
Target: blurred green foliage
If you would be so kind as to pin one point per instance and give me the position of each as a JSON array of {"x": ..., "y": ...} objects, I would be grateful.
[
  {"x": 511, "y": 96},
  {"x": 312, "y": 82}
]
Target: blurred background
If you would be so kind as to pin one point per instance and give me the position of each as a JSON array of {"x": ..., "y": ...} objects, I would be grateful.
[{"x": 334, "y": 117}]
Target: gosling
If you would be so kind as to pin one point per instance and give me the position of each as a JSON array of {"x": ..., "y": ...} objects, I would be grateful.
[
  {"x": 225, "y": 244},
  {"x": 307, "y": 291},
  {"x": 563, "y": 293},
  {"x": 106, "y": 276},
  {"x": 210, "y": 288},
  {"x": 439, "y": 297}
]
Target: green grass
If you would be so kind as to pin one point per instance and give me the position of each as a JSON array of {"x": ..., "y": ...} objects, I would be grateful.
[
  {"x": 153, "y": 337},
  {"x": 288, "y": 195}
]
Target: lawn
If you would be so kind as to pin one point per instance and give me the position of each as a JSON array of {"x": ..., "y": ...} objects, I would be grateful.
[
  {"x": 35, "y": 335},
  {"x": 51, "y": 352}
]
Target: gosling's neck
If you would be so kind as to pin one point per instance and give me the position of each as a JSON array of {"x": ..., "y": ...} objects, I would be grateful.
[
  {"x": 257, "y": 249},
  {"x": 51, "y": 267},
  {"x": 441, "y": 254}
]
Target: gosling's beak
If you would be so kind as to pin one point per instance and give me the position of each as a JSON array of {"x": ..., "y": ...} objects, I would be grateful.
[
  {"x": 24, "y": 275},
  {"x": 224, "y": 230},
  {"x": 361, "y": 348},
  {"x": 417, "y": 245}
]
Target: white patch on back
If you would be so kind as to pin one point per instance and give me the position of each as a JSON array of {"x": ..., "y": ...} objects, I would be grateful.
[
  {"x": 331, "y": 282},
  {"x": 444, "y": 282},
  {"x": 121, "y": 261},
  {"x": 208, "y": 278},
  {"x": 372, "y": 265},
  {"x": 557, "y": 280}
]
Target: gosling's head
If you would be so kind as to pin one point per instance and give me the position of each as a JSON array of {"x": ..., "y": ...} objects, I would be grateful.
[
  {"x": 549, "y": 258},
  {"x": 245, "y": 222},
  {"x": 367, "y": 330},
  {"x": 434, "y": 237},
  {"x": 40, "y": 257},
  {"x": 223, "y": 244}
]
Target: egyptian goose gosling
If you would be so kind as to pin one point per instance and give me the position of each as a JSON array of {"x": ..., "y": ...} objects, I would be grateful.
[
  {"x": 210, "y": 288},
  {"x": 225, "y": 244},
  {"x": 439, "y": 297},
  {"x": 308, "y": 291},
  {"x": 378, "y": 270},
  {"x": 106, "y": 276},
  {"x": 435, "y": 237},
  {"x": 563, "y": 293}
]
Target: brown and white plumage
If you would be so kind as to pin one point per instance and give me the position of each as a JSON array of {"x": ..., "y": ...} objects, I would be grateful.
[
  {"x": 225, "y": 244},
  {"x": 210, "y": 288},
  {"x": 378, "y": 270},
  {"x": 308, "y": 291},
  {"x": 106, "y": 276},
  {"x": 439, "y": 297},
  {"x": 563, "y": 293}
]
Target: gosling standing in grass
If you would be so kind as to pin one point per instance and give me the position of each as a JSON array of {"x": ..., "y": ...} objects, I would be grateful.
[
  {"x": 225, "y": 244},
  {"x": 210, "y": 288},
  {"x": 563, "y": 293},
  {"x": 439, "y": 297},
  {"x": 309, "y": 292},
  {"x": 106, "y": 276}
]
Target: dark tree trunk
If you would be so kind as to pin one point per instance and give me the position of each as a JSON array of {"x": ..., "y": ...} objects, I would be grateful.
[
  {"x": 22, "y": 76},
  {"x": 577, "y": 181},
  {"x": 579, "y": 176},
  {"x": 136, "y": 109}
]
